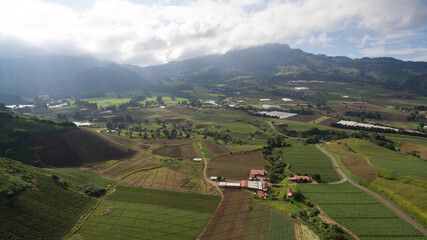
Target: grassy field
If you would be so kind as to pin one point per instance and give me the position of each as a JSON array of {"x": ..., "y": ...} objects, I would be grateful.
[
  {"x": 47, "y": 211},
  {"x": 235, "y": 166},
  {"x": 80, "y": 178},
  {"x": 309, "y": 160},
  {"x": 137, "y": 213},
  {"x": 359, "y": 212},
  {"x": 407, "y": 197}
]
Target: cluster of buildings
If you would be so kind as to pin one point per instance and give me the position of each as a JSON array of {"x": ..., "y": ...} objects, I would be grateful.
[{"x": 256, "y": 183}]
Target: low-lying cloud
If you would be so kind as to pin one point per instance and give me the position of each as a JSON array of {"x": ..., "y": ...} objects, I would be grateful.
[{"x": 155, "y": 33}]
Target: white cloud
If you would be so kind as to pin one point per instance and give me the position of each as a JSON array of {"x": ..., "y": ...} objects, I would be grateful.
[{"x": 125, "y": 31}]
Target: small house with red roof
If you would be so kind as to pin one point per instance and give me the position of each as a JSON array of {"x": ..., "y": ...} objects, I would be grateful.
[
  {"x": 297, "y": 178},
  {"x": 289, "y": 192},
  {"x": 255, "y": 174},
  {"x": 261, "y": 194}
]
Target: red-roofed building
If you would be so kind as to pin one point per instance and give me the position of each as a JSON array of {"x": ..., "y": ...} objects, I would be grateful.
[
  {"x": 261, "y": 194},
  {"x": 257, "y": 174},
  {"x": 288, "y": 192},
  {"x": 264, "y": 186},
  {"x": 244, "y": 184},
  {"x": 296, "y": 178}
]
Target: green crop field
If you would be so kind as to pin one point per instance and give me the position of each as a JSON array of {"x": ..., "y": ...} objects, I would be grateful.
[
  {"x": 359, "y": 212},
  {"x": 280, "y": 227},
  {"x": 411, "y": 167},
  {"x": 138, "y": 213},
  {"x": 308, "y": 159},
  {"x": 47, "y": 211}
]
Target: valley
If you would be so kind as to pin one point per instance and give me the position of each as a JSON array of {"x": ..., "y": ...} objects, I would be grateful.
[{"x": 239, "y": 156}]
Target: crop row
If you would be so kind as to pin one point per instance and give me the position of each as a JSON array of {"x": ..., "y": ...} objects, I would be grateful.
[{"x": 358, "y": 211}]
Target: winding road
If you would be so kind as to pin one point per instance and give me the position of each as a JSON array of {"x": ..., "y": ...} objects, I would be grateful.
[
  {"x": 368, "y": 191},
  {"x": 375, "y": 195}
]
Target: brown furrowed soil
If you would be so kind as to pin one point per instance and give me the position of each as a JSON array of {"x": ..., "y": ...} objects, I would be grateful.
[
  {"x": 236, "y": 166},
  {"x": 411, "y": 147},
  {"x": 385, "y": 116},
  {"x": 183, "y": 177},
  {"x": 328, "y": 122},
  {"x": 238, "y": 217},
  {"x": 360, "y": 167},
  {"x": 75, "y": 148},
  {"x": 214, "y": 148},
  {"x": 303, "y": 118},
  {"x": 183, "y": 110},
  {"x": 180, "y": 151}
]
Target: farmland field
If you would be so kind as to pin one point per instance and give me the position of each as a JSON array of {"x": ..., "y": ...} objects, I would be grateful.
[
  {"x": 235, "y": 166},
  {"x": 359, "y": 212},
  {"x": 184, "y": 177},
  {"x": 407, "y": 167},
  {"x": 214, "y": 148},
  {"x": 179, "y": 151},
  {"x": 80, "y": 178},
  {"x": 137, "y": 213},
  {"x": 75, "y": 148},
  {"x": 240, "y": 217},
  {"x": 309, "y": 160},
  {"x": 47, "y": 211},
  {"x": 410, "y": 147},
  {"x": 121, "y": 168},
  {"x": 407, "y": 197}
]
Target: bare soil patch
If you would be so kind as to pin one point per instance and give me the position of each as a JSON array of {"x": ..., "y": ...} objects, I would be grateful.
[
  {"x": 75, "y": 148},
  {"x": 235, "y": 166},
  {"x": 303, "y": 118},
  {"x": 183, "y": 110},
  {"x": 214, "y": 148},
  {"x": 360, "y": 167},
  {"x": 179, "y": 151},
  {"x": 328, "y": 122},
  {"x": 411, "y": 147}
]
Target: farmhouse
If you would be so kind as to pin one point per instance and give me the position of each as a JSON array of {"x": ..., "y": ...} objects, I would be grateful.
[
  {"x": 251, "y": 185},
  {"x": 289, "y": 192},
  {"x": 261, "y": 194},
  {"x": 287, "y": 99},
  {"x": 255, "y": 174},
  {"x": 264, "y": 99},
  {"x": 296, "y": 178},
  {"x": 214, "y": 178},
  {"x": 198, "y": 159}
]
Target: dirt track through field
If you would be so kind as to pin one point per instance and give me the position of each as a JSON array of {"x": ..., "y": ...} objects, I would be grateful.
[{"x": 375, "y": 195}]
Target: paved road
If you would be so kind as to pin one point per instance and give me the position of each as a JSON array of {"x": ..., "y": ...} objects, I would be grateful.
[{"x": 375, "y": 195}]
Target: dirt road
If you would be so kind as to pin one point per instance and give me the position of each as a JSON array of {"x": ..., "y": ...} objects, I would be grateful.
[{"x": 375, "y": 195}]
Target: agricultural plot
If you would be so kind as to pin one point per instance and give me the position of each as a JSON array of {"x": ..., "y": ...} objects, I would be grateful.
[
  {"x": 75, "y": 148},
  {"x": 214, "y": 148},
  {"x": 355, "y": 164},
  {"x": 421, "y": 150},
  {"x": 309, "y": 160},
  {"x": 359, "y": 212},
  {"x": 407, "y": 197},
  {"x": 80, "y": 178},
  {"x": 183, "y": 177},
  {"x": 137, "y": 213},
  {"x": 125, "y": 167},
  {"x": 240, "y": 217},
  {"x": 179, "y": 151},
  {"x": 48, "y": 211},
  {"x": 235, "y": 166}
]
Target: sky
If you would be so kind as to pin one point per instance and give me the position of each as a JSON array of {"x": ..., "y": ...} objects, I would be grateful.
[{"x": 149, "y": 32}]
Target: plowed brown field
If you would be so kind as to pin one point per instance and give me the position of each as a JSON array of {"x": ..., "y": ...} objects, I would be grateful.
[
  {"x": 235, "y": 166},
  {"x": 179, "y": 151},
  {"x": 75, "y": 148}
]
